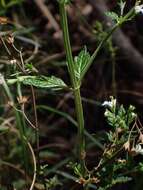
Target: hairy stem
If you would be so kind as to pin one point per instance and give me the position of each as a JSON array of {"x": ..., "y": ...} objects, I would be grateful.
[{"x": 76, "y": 88}]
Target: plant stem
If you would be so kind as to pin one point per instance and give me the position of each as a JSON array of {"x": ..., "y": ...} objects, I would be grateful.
[
  {"x": 98, "y": 49},
  {"x": 21, "y": 121},
  {"x": 18, "y": 120},
  {"x": 127, "y": 17},
  {"x": 75, "y": 86}
]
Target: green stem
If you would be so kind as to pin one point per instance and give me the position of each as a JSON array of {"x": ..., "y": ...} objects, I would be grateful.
[
  {"x": 18, "y": 121},
  {"x": 128, "y": 16},
  {"x": 21, "y": 122},
  {"x": 97, "y": 50},
  {"x": 75, "y": 86}
]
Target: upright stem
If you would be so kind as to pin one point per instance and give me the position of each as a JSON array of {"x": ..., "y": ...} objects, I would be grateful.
[{"x": 75, "y": 86}]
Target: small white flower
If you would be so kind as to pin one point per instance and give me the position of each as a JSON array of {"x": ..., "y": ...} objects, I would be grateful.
[
  {"x": 139, "y": 9},
  {"x": 107, "y": 103},
  {"x": 110, "y": 104}
]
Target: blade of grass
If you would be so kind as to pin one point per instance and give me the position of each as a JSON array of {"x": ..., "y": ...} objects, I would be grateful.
[{"x": 70, "y": 119}]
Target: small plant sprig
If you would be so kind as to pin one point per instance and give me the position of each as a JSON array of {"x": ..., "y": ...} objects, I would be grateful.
[
  {"x": 78, "y": 68},
  {"x": 125, "y": 142},
  {"x": 119, "y": 119}
]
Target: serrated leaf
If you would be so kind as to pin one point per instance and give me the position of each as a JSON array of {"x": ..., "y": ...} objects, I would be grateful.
[
  {"x": 80, "y": 62},
  {"x": 113, "y": 16},
  {"x": 45, "y": 82}
]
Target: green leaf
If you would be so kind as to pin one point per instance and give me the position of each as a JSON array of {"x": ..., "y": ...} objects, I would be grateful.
[
  {"x": 45, "y": 82},
  {"x": 30, "y": 67},
  {"x": 113, "y": 16},
  {"x": 15, "y": 2},
  {"x": 80, "y": 62}
]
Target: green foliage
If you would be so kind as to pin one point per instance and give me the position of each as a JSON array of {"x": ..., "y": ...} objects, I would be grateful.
[
  {"x": 52, "y": 82},
  {"x": 121, "y": 18},
  {"x": 100, "y": 34},
  {"x": 113, "y": 16},
  {"x": 81, "y": 62},
  {"x": 122, "y": 7},
  {"x": 115, "y": 166},
  {"x": 52, "y": 183},
  {"x": 4, "y": 5},
  {"x": 10, "y": 3},
  {"x": 140, "y": 167},
  {"x": 118, "y": 117},
  {"x": 30, "y": 68},
  {"x": 45, "y": 82},
  {"x": 99, "y": 31},
  {"x": 77, "y": 169},
  {"x": 115, "y": 181}
]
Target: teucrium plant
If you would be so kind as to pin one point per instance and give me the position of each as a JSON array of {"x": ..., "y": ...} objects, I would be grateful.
[{"x": 77, "y": 68}]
